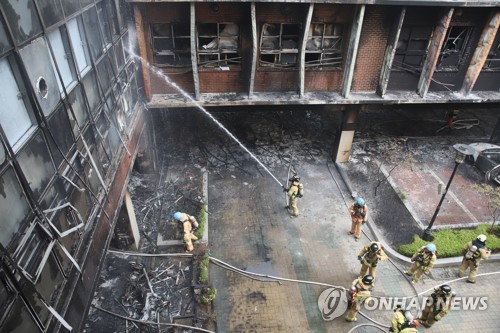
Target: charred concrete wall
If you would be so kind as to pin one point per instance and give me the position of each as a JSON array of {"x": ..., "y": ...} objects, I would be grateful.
[{"x": 71, "y": 117}]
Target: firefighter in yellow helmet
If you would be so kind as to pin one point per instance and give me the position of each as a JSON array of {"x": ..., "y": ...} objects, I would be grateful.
[
  {"x": 369, "y": 256},
  {"x": 422, "y": 262},
  {"x": 296, "y": 190},
  {"x": 437, "y": 306},
  {"x": 359, "y": 216},
  {"x": 403, "y": 322},
  {"x": 473, "y": 252},
  {"x": 359, "y": 293},
  {"x": 188, "y": 223}
]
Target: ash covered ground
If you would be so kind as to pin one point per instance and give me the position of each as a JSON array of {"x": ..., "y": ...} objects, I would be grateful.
[{"x": 189, "y": 144}]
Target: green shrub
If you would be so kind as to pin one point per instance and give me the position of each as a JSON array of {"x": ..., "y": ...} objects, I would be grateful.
[
  {"x": 449, "y": 242},
  {"x": 202, "y": 221},
  {"x": 208, "y": 295}
]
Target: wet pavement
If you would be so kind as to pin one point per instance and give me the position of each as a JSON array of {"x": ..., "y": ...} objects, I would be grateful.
[{"x": 250, "y": 229}]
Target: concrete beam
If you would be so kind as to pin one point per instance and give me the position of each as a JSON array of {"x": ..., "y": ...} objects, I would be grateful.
[
  {"x": 390, "y": 51},
  {"x": 481, "y": 52},
  {"x": 433, "y": 51},
  {"x": 255, "y": 42},
  {"x": 352, "y": 50},
  {"x": 194, "y": 56},
  {"x": 302, "y": 54}
]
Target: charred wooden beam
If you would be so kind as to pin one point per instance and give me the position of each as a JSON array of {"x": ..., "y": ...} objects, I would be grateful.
[
  {"x": 352, "y": 50},
  {"x": 302, "y": 53},
  {"x": 390, "y": 51},
  {"x": 433, "y": 51},
  {"x": 194, "y": 58},
  {"x": 481, "y": 52}
]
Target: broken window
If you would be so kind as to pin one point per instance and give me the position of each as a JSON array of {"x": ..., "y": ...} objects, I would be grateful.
[
  {"x": 36, "y": 164},
  {"x": 453, "y": 50},
  {"x": 171, "y": 44},
  {"x": 120, "y": 59},
  {"x": 492, "y": 63},
  {"x": 279, "y": 45},
  {"x": 62, "y": 135},
  {"x": 218, "y": 45},
  {"x": 105, "y": 73},
  {"x": 13, "y": 203},
  {"x": 411, "y": 48},
  {"x": 75, "y": 29},
  {"x": 79, "y": 108},
  {"x": 23, "y": 18},
  {"x": 17, "y": 117},
  {"x": 33, "y": 251},
  {"x": 70, "y": 6},
  {"x": 61, "y": 50},
  {"x": 324, "y": 46}
]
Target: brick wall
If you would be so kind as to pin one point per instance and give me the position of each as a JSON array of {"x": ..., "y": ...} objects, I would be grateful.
[
  {"x": 267, "y": 81},
  {"x": 184, "y": 81},
  {"x": 221, "y": 82},
  {"x": 322, "y": 81},
  {"x": 372, "y": 44}
]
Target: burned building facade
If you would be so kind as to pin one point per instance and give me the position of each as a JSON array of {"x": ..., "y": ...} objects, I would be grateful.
[
  {"x": 338, "y": 55},
  {"x": 74, "y": 74},
  {"x": 70, "y": 123}
]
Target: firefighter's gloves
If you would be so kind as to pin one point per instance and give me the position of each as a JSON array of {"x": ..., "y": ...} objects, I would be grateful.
[
  {"x": 299, "y": 195},
  {"x": 284, "y": 189},
  {"x": 360, "y": 259}
]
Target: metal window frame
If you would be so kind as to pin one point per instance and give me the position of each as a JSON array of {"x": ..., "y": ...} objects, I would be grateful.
[
  {"x": 173, "y": 52},
  {"x": 221, "y": 55},
  {"x": 280, "y": 51},
  {"x": 444, "y": 53},
  {"x": 406, "y": 52},
  {"x": 323, "y": 60}
]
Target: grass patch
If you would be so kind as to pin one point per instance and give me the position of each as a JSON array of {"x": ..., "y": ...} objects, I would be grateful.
[
  {"x": 203, "y": 269},
  {"x": 449, "y": 242},
  {"x": 202, "y": 221}
]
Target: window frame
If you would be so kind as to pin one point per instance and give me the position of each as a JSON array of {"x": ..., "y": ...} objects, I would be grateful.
[
  {"x": 181, "y": 56},
  {"x": 216, "y": 57},
  {"x": 324, "y": 58},
  {"x": 281, "y": 52},
  {"x": 459, "y": 54}
]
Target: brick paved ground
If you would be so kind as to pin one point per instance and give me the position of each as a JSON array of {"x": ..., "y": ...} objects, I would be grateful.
[{"x": 250, "y": 229}]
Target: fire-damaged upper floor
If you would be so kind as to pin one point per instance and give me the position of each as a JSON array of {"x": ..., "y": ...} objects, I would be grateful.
[{"x": 347, "y": 52}]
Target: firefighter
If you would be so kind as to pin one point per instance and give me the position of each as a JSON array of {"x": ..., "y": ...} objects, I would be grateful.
[
  {"x": 369, "y": 258},
  {"x": 359, "y": 216},
  {"x": 359, "y": 293},
  {"x": 422, "y": 262},
  {"x": 188, "y": 222},
  {"x": 437, "y": 306},
  {"x": 402, "y": 321},
  {"x": 296, "y": 190},
  {"x": 473, "y": 252}
]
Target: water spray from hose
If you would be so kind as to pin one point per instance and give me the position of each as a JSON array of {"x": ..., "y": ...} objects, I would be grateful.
[{"x": 208, "y": 114}]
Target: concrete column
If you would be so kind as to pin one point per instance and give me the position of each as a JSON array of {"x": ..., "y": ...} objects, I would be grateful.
[
  {"x": 345, "y": 136},
  {"x": 133, "y": 221},
  {"x": 390, "y": 51},
  {"x": 143, "y": 49},
  {"x": 302, "y": 54},
  {"x": 194, "y": 55},
  {"x": 481, "y": 52},
  {"x": 255, "y": 42},
  {"x": 352, "y": 51},
  {"x": 433, "y": 52}
]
